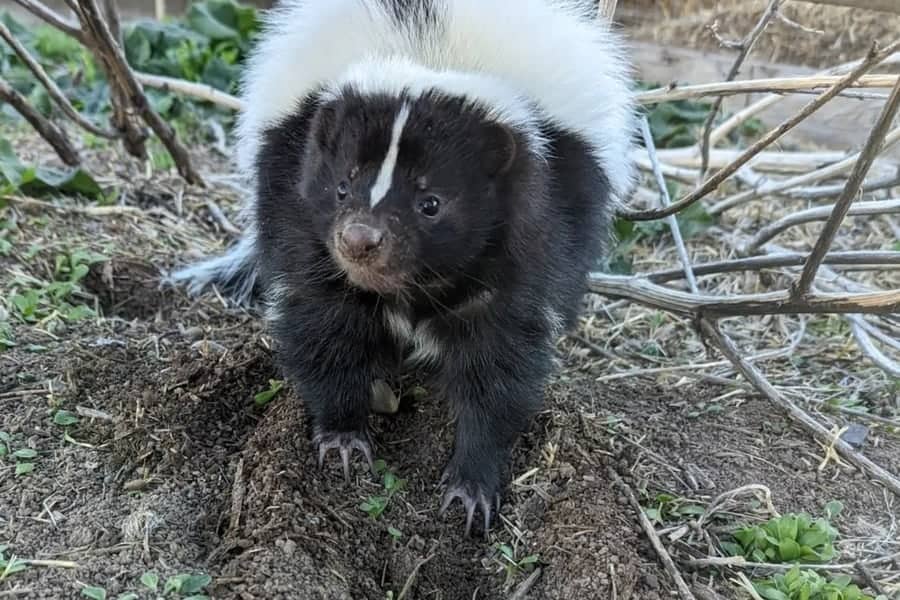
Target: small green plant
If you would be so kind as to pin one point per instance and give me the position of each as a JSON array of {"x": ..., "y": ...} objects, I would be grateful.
[
  {"x": 806, "y": 584},
  {"x": 514, "y": 565},
  {"x": 187, "y": 585},
  {"x": 93, "y": 592},
  {"x": 9, "y": 566},
  {"x": 64, "y": 418},
  {"x": 395, "y": 533},
  {"x": 24, "y": 458},
  {"x": 666, "y": 508},
  {"x": 36, "y": 181},
  {"x": 38, "y": 301},
  {"x": 374, "y": 506},
  {"x": 150, "y": 580},
  {"x": 267, "y": 395},
  {"x": 789, "y": 538}
]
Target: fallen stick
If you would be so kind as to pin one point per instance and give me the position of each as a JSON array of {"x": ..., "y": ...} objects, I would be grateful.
[{"x": 650, "y": 531}]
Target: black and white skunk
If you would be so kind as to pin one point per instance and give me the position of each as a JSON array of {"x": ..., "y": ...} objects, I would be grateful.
[{"x": 432, "y": 181}]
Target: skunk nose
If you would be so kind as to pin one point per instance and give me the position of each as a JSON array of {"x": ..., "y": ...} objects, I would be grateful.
[{"x": 358, "y": 240}]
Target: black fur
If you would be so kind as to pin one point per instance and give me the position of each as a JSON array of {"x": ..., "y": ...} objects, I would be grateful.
[{"x": 513, "y": 243}]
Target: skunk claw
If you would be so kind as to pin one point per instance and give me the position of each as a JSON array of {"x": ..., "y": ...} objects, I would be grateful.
[
  {"x": 472, "y": 497},
  {"x": 345, "y": 443}
]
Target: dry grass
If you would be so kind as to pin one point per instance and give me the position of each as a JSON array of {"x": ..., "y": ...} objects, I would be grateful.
[{"x": 833, "y": 34}]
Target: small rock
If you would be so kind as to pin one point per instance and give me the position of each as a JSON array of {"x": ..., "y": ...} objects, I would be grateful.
[
  {"x": 856, "y": 435},
  {"x": 651, "y": 581},
  {"x": 289, "y": 547}
]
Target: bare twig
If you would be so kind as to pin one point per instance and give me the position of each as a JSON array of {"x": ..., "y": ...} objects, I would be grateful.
[
  {"x": 753, "y": 375},
  {"x": 873, "y": 260},
  {"x": 878, "y": 357},
  {"x": 200, "y": 91},
  {"x": 119, "y": 72},
  {"x": 49, "y": 16},
  {"x": 742, "y": 563},
  {"x": 237, "y": 498},
  {"x": 52, "y": 89},
  {"x": 791, "y": 183},
  {"x": 639, "y": 289},
  {"x": 665, "y": 201},
  {"x": 879, "y": 5},
  {"x": 664, "y": 557},
  {"x": 524, "y": 587},
  {"x": 54, "y": 136},
  {"x": 873, "y": 58},
  {"x": 745, "y": 47},
  {"x": 819, "y": 213},
  {"x": 842, "y": 206},
  {"x": 673, "y": 93}
]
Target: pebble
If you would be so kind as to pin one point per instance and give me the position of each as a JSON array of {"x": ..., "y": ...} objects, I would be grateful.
[
  {"x": 651, "y": 581},
  {"x": 289, "y": 547}
]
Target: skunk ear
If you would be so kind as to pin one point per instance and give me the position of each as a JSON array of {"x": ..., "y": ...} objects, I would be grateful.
[
  {"x": 499, "y": 149},
  {"x": 325, "y": 126}
]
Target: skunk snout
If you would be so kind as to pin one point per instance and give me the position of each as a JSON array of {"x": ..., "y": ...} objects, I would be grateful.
[{"x": 359, "y": 241}]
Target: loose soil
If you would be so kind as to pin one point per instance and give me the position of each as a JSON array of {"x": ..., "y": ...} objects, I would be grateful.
[{"x": 182, "y": 472}]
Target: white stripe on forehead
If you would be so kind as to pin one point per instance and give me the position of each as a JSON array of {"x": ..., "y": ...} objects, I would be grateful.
[{"x": 386, "y": 173}]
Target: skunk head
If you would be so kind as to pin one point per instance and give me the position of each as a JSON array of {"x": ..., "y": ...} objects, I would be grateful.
[{"x": 408, "y": 193}]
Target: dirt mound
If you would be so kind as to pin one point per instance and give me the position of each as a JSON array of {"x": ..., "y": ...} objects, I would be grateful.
[{"x": 179, "y": 471}]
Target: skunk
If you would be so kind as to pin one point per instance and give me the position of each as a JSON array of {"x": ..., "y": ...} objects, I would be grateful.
[{"x": 431, "y": 182}]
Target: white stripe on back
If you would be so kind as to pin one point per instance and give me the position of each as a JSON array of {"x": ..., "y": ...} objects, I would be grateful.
[{"x": 386, "y": 173}]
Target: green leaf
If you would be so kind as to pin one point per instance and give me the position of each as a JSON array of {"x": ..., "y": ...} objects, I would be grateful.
[
  {"x": 834, "y": 508},
  {"x": 64, "y": 418},
  {"x": 266, "y": 396},
  {"x": 394, "y": 532},
  {"x": 26, "y": 453},
  {"x": 95, "y": 593},
  {"x": 788, "y": 550},
  {"x": 732, "y": 549},
  {"x": 23, "y": 468},
  {"x": 173, "y": 584},
  {"x": 772, "y": 594},
  {"x": 192, "y": 584},
  {"x": 202, "y": 20},
  {"x": 150, "y": 579}
]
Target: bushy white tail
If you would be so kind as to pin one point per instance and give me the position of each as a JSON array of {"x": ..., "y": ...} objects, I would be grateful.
[{"x": 234, "y": 273}]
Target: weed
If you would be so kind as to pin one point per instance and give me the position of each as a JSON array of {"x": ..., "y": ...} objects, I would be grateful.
[
  {"x": 37, "y": 301},
  {"x": 789, "y": 538},
  {"x": 266, "y": 396},
  {"x": 666, "y": 507},
  {"x": 93, "y": 592},
  {"x": 23, "y": 457},
  {"x": 513, "y": 565},
  {"x": 374, "y": 506},
  {"x": 150, "y": 580},
  {"x": 809, "y": 585},
  {"x": 187, "y": 584},
  {"x": 9, "y": 566},
  {"x": 64, "y": 418}
]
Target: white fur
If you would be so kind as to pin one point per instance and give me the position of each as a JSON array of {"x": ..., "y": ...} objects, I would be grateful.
[
  {"x": 522, "y": 61},
  {"x": 425, "y": 346},
  {"x": 552, "y": 52},
  {"x": 236, "y": 265},
  {"x": 399, "y": 325},
  {"x": 385, "y": 177}
]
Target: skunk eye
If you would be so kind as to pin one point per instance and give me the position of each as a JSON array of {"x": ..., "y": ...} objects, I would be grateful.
[
  {"x": 428, "y": 206},
  {"x": 343, "y": 188}
]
